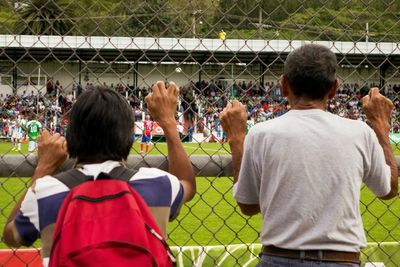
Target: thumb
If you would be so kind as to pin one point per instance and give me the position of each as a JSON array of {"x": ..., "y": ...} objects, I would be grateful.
[
  {"x": 365, "y": 100},
  {"x": 45, "y": 135}
]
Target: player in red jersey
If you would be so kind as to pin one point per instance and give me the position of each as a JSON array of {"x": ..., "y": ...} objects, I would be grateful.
[{"x": 146, "y": 136}]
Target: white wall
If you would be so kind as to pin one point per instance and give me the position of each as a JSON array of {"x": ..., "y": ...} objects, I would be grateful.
[{"x": 97, "y": 73}]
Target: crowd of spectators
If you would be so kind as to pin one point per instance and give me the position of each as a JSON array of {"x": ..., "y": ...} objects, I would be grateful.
[
  {"x": 48, "y": 108},
  {"x": 207, "y": 100},
  {"x": 200, "y": 104}
]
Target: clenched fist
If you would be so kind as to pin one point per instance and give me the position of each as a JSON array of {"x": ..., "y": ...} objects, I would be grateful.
[
  {"x": 233, "y": 119},
  {"x": 377, "y": 108},
  {"x": 52, "y": 151},
  {"x": 162, "y": 102}
]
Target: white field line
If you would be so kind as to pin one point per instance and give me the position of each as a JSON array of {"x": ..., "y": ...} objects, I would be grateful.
[
  {"x": 383, "y": 243},
  {"x": 228, "y": 253},
  {"x": 252, "y": 258},
  {"x": 180, "y": 258},
  {"x": 199, "y": 260},
  {"x": 192, "y": 253},
  {"x": 201, "y": 257}
]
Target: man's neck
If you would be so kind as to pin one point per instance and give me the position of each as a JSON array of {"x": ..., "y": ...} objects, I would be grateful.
[{"x": 301, "y": 103}]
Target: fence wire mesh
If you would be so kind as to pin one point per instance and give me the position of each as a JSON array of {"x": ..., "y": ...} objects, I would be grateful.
[{"x": 53, "y": 50}]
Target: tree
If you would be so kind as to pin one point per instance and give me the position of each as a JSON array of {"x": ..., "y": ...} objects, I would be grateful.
[
  {"x": 152, "y": 18},
  {"x": 45, "y": 17},
  {"x": 7, "y": 18}
]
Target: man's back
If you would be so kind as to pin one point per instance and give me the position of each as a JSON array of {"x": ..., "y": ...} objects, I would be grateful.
[{"x": 309, "y": 166}]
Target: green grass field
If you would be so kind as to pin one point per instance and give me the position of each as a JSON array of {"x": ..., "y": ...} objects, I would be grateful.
[
  {"x": 155, "y": 149},
  {"x": 212, "y": 218},
  {"x": 161, "y": 148}
]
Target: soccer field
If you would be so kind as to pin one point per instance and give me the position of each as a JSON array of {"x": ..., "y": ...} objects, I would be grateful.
[
  {"x": 161, "y": 149},
  {"x": 212, "y": 217},
  {"x": 155, "y": 149}
]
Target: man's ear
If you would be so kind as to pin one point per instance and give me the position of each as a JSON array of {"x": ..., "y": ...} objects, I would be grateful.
[
  {"x": 284, "y": 86},
  {"x": 333, "y": 90}
]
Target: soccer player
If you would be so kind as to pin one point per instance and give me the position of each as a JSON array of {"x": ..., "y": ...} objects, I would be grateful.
[
  {"x": 12, "y": 125},
  {"x": 33, "y": 128},
  {"x": 18, "y": 129},
  {"x": 146, "y": 136}
]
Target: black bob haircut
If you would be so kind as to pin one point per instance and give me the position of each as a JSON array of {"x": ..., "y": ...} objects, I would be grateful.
[
  {"x": 310, "y": 71},
  {"x": 100, "y": 127}
]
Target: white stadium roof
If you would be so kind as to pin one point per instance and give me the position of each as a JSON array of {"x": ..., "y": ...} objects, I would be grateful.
[{"x": 19, "y": 47}]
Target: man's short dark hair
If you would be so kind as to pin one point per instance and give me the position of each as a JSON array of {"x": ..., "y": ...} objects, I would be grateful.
[
  {"x": 310, "y": 71},
  {"x": 100, "y": 127}
]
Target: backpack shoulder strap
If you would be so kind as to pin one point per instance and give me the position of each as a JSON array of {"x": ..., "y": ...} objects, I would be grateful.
[
  {"x": 122, "y": 173},
  {"x": 72, "y": 178}
]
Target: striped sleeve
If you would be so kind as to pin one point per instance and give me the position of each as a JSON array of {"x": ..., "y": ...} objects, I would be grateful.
[
  {"x": 27, "y": 220},
  {"x": 159, "y": 189},
  {"x": 39, "y": 208}
]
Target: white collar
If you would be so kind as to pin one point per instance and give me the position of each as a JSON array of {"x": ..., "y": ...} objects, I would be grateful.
[{"x": 96, "y": 168}]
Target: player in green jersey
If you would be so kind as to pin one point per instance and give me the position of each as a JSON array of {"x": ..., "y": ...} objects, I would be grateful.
[{"x": 33, "y": 128}]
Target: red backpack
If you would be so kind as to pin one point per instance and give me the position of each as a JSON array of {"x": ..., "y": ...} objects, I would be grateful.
[{"x": 106, "y": 223}]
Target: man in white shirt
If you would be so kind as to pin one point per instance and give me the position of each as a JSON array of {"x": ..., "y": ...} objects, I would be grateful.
[{"x": 303, "y": 171}]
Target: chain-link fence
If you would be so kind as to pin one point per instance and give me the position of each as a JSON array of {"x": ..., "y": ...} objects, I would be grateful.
[{"x": 53, "y": 50}]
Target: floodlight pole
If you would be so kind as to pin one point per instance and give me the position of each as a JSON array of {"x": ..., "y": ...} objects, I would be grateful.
[
  {"x": 260, "y": 22},
  {"x": 37, "y": 98},
  {"x": 194, "y": 19},
  {"x": 194, "y": 25}
]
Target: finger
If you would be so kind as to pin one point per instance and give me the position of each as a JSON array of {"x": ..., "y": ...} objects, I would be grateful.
[
  {"x": 390, "y": 103},
  {"x": 148, "y": 97},
  {"x": 170, "y": 85},
  {"x": 176, "y": 91},
  {"x": 60, "y": 141},
  {"x": 64, "y": 146},
  {"x": 228, "y": 105},
  {"x": 155, "y": 89},
  {"x": 222, "y": 114},
  {"x": 40, "y": 137},
  {"x": 161, "y": 87},
  {"x": 55, "y": 137},
  {"x": 235, "y": 103},
  {"x": 173, "y": 89},
  {"x": 373, "y": 92},
  {"x": 45, "y": 135},
  {"x": 365, "y": 100}
]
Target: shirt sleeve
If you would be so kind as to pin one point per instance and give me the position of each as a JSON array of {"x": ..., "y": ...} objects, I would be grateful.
[
  {"x": 177, "y": 201},
  {"x": 377, "y": 173},
  {"x": 159, "y": 189},
  {"x": 26, "y": 222},
  {"x": 247, "y": 189}
]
